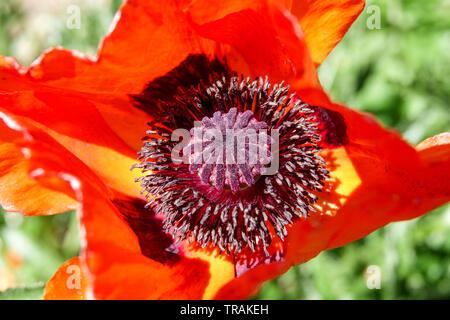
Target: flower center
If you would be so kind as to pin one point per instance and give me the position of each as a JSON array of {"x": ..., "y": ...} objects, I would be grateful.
[
  {"x": 253, "y": 164},
  {"x": 229, "y": 149}
]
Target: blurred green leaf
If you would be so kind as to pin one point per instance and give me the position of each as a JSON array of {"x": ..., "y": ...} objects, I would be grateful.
[{"x": 31, "y": 292}]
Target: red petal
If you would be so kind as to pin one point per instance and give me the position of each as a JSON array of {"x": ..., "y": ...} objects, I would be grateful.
[
  {"x": 160, "y": 40},
  {"x": 18, "y": 192},
  {"x": 325, "y": 22},
  {"x": 203, "y": 11},
  {"x": 270, "y": 41},
  {"x": 102, "y": 130},
  {"x": 84, "y": 103},
  {"x": 68, "y": 283},
  {"x": 435, "y": 150},
  {"x": 119, "y": 270}
]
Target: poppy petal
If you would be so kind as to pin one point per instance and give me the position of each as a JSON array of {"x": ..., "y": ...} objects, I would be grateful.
[
  {"x": 102, "y": 130},
  {"x": 324, "y": 23},
  {"x": 29, "y": 196},
  {"x": 125, "y": 263},
  {"x": 18, "y": 192},
  {"x": 119, "y": 269},
  {"x": 68, "y": 283},
  {"x": 80, "y": 99},
  {"x": 203, "y": 11},
  {"x": 161, "y": 39},
  {"x": 435, "y": 149},
  {"x": 270, "y": 41}
]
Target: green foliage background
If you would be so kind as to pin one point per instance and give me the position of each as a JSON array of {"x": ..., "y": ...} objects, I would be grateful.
[{"x": 399, "y": 72}]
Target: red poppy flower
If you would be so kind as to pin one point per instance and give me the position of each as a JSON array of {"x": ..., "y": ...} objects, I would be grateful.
[{"x": 71, "y": 127}]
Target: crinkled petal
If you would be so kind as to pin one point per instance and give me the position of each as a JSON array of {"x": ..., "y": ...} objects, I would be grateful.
[
  {"x": 102, "y": 130},
  {"x": 324, "y": 22},
  {"x": 19, "y": 192},
  {"x": 117, "y": 267},
  {"x": 265, "y": 40},
  {"x": 83, "y": 102},
  {"x": 146, "y": 40}
]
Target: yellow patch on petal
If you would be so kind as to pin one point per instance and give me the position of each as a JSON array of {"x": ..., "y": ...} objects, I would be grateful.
[
  {"x": 111, "y": 166},
  {"x": 342, "y": 182},
  {"x": 221, "y": 271},
  {"x": 346, "y": 175},
  {"x": 15, "y": 183}
]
